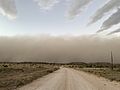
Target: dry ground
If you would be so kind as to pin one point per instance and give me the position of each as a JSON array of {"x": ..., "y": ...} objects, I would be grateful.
[
  {"x": 69, "y": 79},
  {"x": 13, "y": 76}
]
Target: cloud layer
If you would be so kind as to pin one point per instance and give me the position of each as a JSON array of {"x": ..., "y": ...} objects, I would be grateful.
[
  {"x": 8, "y": 8},
  {"x": 113, "y": 32},
  {"x": 76, "y": 7},
  {"x": 46, "y": 4},
  {"x": 59, "y": 49},
  {"x": 112, "y": 4},
  {"x": 112, "y": 20}
]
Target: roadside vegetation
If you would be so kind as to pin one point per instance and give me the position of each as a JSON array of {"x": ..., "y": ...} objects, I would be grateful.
[
  {"x": 100, "y": 69},
  {"x": 14, "y": 75},
  {"x": 112, "y": 75}
]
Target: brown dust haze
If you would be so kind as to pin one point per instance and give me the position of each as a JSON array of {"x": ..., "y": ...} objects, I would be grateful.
[{"x": 58, "y": 49}]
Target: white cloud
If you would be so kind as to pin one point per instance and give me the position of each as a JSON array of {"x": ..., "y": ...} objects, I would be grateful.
[
  {"x": 46, "y": 4},
  {"x": 114, "y": 32},
  {"x": 111, "y": 21},
  {"x": 8, "y": 8},
  {"x": 76, "y": 7},
  {"x": 112, "y": 4}
]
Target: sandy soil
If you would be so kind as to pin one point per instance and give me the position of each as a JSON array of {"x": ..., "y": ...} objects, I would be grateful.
[{"x": 69, "y": 79}]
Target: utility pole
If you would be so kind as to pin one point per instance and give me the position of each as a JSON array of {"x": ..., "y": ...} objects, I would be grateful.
[{"x": 112, "y": 61}]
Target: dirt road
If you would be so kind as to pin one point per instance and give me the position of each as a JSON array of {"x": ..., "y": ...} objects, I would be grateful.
[{"x": 69, "y": 79}]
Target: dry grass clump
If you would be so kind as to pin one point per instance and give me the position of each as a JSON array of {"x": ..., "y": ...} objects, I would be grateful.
[
  {"x": 113, "y": 75},
  {"x": 13, "y": 76}
]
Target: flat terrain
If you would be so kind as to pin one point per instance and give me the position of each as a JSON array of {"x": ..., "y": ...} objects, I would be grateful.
[
  {"x": 112, "y": 75},
  {"x": 13, "y": 76},
  {"x": 69, "y": 79}
]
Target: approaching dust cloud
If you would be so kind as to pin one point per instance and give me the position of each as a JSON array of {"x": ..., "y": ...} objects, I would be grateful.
[{"x": 58, "y": 49}]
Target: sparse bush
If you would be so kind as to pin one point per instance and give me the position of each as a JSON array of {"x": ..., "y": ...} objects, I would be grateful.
[
  {"x": 112, "y": 75},
  {"x": 16, "y": 75}
]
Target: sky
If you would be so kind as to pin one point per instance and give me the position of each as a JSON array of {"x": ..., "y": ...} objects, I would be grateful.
[
  {"x": 63, "y": 18},
  {"x": 59, "y": 30}
]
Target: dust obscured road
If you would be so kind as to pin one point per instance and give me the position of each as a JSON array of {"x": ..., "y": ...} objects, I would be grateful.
[{"x": 69, "y": 79}]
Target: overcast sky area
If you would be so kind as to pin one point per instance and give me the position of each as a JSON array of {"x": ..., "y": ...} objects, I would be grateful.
[
  {"x": 59, "y": 30},
  {"x": 58, "y": 17}
]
